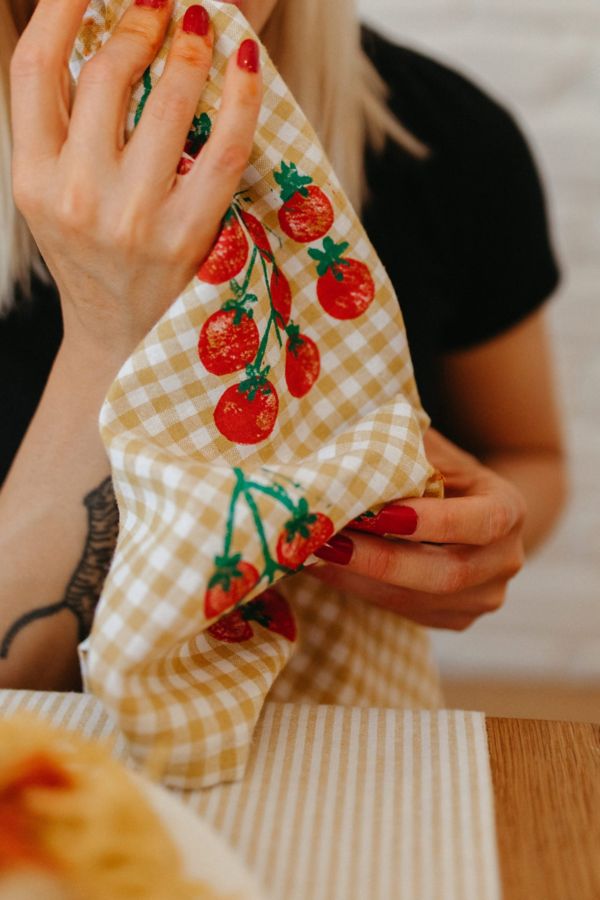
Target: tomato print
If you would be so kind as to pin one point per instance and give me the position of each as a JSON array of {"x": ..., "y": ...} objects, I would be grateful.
[
  {"x": 229, "y": 584},
  {"x": 345, "y": 287},
  {"x": 228, "y": 341},
  {"x": 246, "y": 413},
  {"x": 198, "y": 134},
  {"x": 228, "y": 255},
  {"x": 232, "y": 628},
  {"x": 281, "y": 297},
  {"x": 258, "y": 234},
  {"x": 302, "y": 535},
  {"x": 197, "y": 137},
  {"x": 307, "y": 213},
  {"x": 184, "y": 166},
  {"x": 302, "y": 362},
  {"x": 271, "y": 610}
]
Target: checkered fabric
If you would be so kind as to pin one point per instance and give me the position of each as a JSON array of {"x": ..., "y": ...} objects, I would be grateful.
[
  {"x": 352, "y": 653},
  {"x": 186, "y": 644}
]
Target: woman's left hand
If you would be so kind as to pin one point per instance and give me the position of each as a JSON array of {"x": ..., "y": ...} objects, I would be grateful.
[{"x": 456, "y": 556}]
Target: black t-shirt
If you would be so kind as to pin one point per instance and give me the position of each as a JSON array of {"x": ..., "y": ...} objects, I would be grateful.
[{"x": 462, "y": 234}]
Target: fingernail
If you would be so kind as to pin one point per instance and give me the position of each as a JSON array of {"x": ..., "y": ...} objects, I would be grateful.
[
  {"x": 153, "y": 4},
  {"x": 338, "y": 550},
  {"x": 196, "y": 21},
  {"x": 400, "y": 520},
  {"x": 249, "y": 56},
  {"x": 397, "y": 520}
]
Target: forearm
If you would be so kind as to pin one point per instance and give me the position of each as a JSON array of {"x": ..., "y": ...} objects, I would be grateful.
[
  {"x": 58, "y": 526},
  {"x": 541, "y": 477}
]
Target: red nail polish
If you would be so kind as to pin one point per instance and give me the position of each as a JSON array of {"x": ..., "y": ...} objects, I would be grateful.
[
  {"x": 196, "y": 21},
  {"x": 153, "y": 4},
  {"x": 249, "y": 56},
  {"x": 338, "y": 550},
  {"x": 399, "y": 520}
]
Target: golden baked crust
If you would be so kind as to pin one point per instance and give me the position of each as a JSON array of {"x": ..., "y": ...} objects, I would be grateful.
[{"x": 71, "y": 813}]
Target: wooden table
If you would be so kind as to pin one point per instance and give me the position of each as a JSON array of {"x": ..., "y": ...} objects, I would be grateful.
[{"x": 547, "y": 790}]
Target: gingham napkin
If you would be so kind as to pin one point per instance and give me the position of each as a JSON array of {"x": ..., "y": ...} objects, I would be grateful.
[{"x": 273, "y": 403}]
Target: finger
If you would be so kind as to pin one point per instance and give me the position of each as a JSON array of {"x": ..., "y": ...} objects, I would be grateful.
[
  {"x": 39, "y": 79},
  {"x": 168, "y": 113},
  {"x": 427, "y": 609},
  {"x": 478, "y": 520},
  {"x": 442, "y": 570},
  {"x": 445, "y": 621},
  {"x": 105, "y": 84},
  {"x": 216, "y": 174}
]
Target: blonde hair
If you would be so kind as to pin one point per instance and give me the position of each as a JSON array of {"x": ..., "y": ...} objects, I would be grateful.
[
  {"x": 19, "y": 256},
  {"x": 316, "y": 47}
]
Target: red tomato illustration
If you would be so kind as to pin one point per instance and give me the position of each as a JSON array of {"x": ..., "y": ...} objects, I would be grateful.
[
  {"x": 232, "y": 628},
  {"x": 197, "y": 137},
  {"x": 184, "y": 166},
  {"x": 258, "y": 234},
  {"x": 247, "y": 412},
  {"x": 307, "y": 213},
  {"x": 270, "y": 610},
  {"x": 228, "y": 342},
  {"x": 230, "y": 584},
  {"x": 228, "y": 255},
  {"x": 281, "y": 295},
  {"x": 273, "y": 611},
  {"x": 302, "y": 535},
  {"x": 345, "y": 287},
  {"x": 302, "y": 362}
]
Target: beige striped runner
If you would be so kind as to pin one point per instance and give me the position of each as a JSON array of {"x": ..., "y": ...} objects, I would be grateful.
[{"x": 345, "y": 803}]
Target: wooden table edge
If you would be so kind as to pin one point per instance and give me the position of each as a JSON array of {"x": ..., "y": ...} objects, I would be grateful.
[{"x": 546, "y": 781}]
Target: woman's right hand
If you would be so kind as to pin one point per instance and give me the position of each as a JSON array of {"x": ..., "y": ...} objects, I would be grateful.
[{"x": 121, "y": 232}]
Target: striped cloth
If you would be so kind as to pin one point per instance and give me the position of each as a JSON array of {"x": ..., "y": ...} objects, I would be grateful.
[{"x": 344, "y": 803}]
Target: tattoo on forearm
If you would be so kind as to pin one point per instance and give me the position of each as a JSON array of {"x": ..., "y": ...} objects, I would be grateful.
[{"x": 86, "y": 582}]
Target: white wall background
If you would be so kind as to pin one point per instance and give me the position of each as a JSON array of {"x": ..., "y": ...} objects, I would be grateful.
[{"x": 542, "y": 58}]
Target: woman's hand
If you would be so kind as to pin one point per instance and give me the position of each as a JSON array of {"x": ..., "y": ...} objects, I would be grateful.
[
  {"x": 121, "y": 232},
  {"x": 457, "y": 555}
]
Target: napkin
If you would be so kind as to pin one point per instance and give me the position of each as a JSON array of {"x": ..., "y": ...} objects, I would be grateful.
[
  {"x": 343, "y": 803},
  {"x": 273, "y": 403}
]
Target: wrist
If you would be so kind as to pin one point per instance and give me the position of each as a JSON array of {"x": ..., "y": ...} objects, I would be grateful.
[
  {"x": 103, "y": 347},
  {"x": 86, "y": 372}
]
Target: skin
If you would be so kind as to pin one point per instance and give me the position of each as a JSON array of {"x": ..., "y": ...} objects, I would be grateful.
[
  {"x": 257, "y": 12},
  {"x": 116, "y": 281}
]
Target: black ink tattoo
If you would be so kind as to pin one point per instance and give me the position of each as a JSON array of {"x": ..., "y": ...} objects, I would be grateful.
[{"x": 86, "y": 583}]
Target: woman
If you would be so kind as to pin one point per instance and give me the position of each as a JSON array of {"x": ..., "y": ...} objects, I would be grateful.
[{"x": 456, "y": 213}]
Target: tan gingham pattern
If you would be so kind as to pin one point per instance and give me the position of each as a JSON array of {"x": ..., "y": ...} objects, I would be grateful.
[
  {"x": 354, "y": 442},
  {"x": 355, "y": 654}
]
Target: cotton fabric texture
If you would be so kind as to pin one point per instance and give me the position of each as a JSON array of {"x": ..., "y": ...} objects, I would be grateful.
[{"x": 272, "y": 404}]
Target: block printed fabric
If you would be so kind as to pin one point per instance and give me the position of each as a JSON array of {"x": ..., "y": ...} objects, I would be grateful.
[{"x": 272, "y": 404}]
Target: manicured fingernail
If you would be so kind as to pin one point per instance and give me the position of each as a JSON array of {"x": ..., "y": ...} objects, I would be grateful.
[
  {"x": 196, "y": 21},
  {"x": 338, "y": 550},
  {"x": 400, "y": 520},
  {"x": 153, "y": 4},
  {"x": 249, "y": 56},
  {"x": 397, "y": 520}
]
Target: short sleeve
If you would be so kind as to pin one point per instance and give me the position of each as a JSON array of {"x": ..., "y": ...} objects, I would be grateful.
[{"x": 494, "y": 227}]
